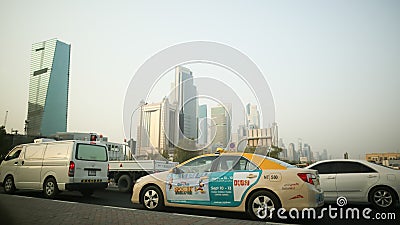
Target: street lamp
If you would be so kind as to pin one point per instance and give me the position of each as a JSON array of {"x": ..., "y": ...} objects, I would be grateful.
[{"x": 141, "y": 104}]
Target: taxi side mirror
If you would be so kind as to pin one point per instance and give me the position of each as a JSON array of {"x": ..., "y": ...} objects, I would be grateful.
[{"x": 176, "y": 170}]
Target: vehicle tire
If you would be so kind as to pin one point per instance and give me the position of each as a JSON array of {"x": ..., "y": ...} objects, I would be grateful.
[
  {"x": 262, "y": 205},
  {"x": 50, "y": 188},
  {"x": 382, "y": 198},
  {"x": 125, "y": 183},
  {"x": 152, "y": 198},
  {"x": 9, "y": 186},
  {"x": 87, "y": 193}
]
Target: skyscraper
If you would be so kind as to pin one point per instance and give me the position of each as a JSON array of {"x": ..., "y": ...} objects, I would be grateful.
[
  {"x": 253, "y": 117},
  {"x": 221, "y": 115},
  {"x": 157, "y": 128},
  {"x": 292, "y": 153},
  {"x": 185, "y": 96},
  {"x": 48, "y": 88},
  {"x": 203, "y": 125}
]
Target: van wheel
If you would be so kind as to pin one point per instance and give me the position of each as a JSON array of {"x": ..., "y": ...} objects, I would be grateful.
[
  {"x": 87, "y": 193},
  {"x": 262, "y": 205},
  {"x": 9, "y": 186},
  {"x": 125, "y": 183},
  {"x": 152, "y": 198},
  {"x": 50, "y": 188}
]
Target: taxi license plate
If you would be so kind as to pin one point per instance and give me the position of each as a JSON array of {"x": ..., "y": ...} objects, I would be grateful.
[{"x": 91, "y": 172}]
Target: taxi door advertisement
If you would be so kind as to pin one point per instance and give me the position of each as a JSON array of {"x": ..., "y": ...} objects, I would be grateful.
[
  {"x": 210, "y": 188},
  {"x": 188, "y": 188}
]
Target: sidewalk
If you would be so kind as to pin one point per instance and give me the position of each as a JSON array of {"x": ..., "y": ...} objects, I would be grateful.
[{"x": 21, "y": 210}]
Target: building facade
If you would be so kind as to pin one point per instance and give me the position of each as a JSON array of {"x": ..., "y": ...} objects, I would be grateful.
[
  {"x": 380, "y": 157},
  {"x": 253, "y": 117},
  {"x": 157, "y": 132},
  {"x": 203, "y": 126},
  {"x": 184, "y": 94},
  {"x": 221, "y": 116},
  {"x": 48, "y": 88}
]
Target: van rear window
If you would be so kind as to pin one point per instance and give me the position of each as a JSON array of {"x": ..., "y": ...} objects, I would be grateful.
[{"x": 91, "y": 152}]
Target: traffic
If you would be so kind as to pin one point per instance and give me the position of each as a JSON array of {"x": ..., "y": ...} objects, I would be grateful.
[{"x": 254, "y": 184}]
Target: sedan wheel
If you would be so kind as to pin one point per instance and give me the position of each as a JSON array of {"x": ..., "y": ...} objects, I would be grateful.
[
  {"x": 382, "y": 197},
  {"x": 262, "y": 205},
  {"x": 152, "y": 198}
]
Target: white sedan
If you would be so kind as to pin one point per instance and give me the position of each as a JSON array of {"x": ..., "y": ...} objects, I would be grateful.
[{"x": 359, "y": 181}]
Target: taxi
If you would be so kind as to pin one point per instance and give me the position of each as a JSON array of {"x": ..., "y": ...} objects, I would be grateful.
[{"x": 242, "y": 182}]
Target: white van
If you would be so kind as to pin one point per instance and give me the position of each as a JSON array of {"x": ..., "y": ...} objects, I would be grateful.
[{"x": 56, "y": 166}]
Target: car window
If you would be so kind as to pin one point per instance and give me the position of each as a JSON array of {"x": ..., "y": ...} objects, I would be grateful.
[
  {"x": 228, "y": 163},
  {"x": 353, "y": 167},
  {"x": 91, "y": 152},
  {"x": 14, "y": 154},
  {"x": 326, "y": 168},
  {"x": 199, "y": 165}
]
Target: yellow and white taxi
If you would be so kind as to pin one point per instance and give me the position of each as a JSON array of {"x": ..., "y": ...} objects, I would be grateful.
[{"x": 245, "y": 182}]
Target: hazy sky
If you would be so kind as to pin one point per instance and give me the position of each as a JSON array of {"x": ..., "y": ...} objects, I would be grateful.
[{"x": 333, "y": 66}]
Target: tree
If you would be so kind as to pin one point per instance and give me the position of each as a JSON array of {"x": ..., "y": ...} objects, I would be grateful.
[
  {"x": 275, "y": 150},
  {"x": 185, "y": 150}
]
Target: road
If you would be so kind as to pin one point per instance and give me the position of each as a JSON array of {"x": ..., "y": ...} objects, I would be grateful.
[{"x": 114, "y": 202}]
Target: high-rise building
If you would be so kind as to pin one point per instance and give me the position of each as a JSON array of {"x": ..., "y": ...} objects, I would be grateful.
[
  {"x": 48, "y": 88},
  {"x": 203, "y": 125},
  {"x": 307, "y": 152},
  {"x": 221, "y": 115},
  {"x": 184, "y": 93},
  {"x": 157, "y": 129},
  {"x": 253, "y": 117},
  {"x": 324, "y": 155},
  {"x": 242, "y": 134},
  {"x": 292, "y": 153}
]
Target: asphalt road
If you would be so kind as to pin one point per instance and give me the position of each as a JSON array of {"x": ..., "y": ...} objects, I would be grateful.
[{"x": 113, "y": 198}]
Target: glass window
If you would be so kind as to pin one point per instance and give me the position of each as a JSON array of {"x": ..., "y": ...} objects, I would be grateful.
[
  {"x": 353, "y": 167},
  {"x": 199, "y": 165},
  {"x": 326, "y": 168},
  {"x": 282, "y": 163},
  {"x": 14, "y": 154},
  {"x": 91, "y": 152},
  {"x": 227, "y": 163}
]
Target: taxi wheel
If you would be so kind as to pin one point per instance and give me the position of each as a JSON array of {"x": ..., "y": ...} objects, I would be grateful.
[
  {"x": 152, "y": 198},
  {"x": 262, "y": 205}
]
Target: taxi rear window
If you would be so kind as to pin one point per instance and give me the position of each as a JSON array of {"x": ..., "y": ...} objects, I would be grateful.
[{"x": 282, "y": 163}]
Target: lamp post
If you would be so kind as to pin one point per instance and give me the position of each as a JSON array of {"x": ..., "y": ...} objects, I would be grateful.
[{"x": 141, "y": 104}]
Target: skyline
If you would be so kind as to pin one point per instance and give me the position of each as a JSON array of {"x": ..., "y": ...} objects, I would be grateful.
[{"x": 321, "y": 59}]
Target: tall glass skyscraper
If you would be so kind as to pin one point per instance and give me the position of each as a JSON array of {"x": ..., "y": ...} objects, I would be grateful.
[
  {"x": 185, "y": 96},
  {"x": 203, "y": 125},
  {"x": 48, "y": 88}
]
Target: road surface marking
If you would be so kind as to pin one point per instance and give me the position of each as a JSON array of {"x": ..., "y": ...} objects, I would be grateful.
[{"x": 207, "y": 217}]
